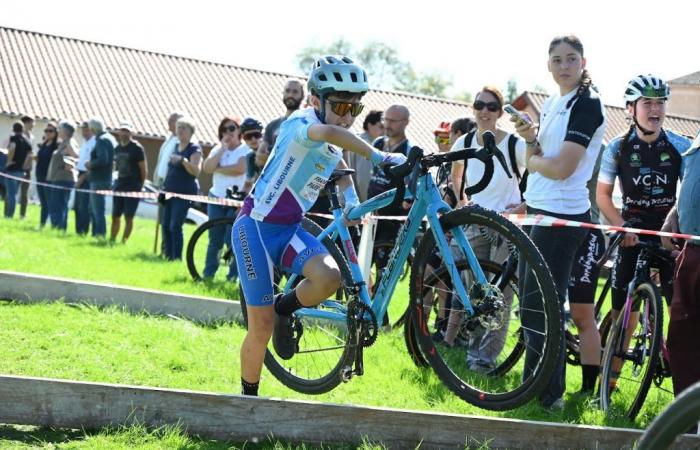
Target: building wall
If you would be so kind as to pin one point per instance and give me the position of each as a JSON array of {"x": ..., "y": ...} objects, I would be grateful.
[
  {"x": 151, "y": 147},
  {"x": 685, "y": 100}
]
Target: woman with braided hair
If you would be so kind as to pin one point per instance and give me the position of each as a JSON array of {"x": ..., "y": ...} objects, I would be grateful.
[{"x": 560, "y": 156}]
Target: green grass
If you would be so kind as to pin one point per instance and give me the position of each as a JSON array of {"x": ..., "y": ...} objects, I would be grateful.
[
  {"x": 84, "y": 343},
  {"x": 25, "y": 248}
]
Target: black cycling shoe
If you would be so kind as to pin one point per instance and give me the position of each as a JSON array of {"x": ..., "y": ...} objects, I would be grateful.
[{"x": 283, "y": 339}]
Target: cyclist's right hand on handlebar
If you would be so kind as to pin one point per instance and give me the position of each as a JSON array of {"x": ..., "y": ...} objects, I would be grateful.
[{"x": 380, "y": 158}]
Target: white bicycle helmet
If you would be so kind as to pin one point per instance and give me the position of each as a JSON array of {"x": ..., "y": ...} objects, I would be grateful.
[
  {"x": 337, "y": 74},
  {"x": 647, "y": 86}
]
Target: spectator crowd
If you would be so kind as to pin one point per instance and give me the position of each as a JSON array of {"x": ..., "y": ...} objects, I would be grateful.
[{"x": 562, "y": 170}]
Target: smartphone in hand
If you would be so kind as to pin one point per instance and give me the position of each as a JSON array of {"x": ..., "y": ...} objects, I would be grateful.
[{"x": 510, "y": 109}]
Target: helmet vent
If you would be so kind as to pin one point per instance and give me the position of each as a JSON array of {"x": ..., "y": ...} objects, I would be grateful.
[
  {"x": 323, "y": 77},
  {"x": 353, "y": 77},
  {"x": 338, "y": 77}
]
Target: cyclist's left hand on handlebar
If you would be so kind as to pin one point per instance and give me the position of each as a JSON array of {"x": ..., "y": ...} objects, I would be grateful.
[{"x": 630, "y": 240}]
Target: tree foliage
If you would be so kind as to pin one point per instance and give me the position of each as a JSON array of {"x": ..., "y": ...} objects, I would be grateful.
[{"x": 382, "y": 62}]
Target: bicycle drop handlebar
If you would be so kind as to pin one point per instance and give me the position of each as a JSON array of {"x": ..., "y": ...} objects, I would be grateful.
[{"x": 484, "y": 154}]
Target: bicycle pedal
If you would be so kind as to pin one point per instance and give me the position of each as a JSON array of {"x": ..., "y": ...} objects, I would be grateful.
[{"x": 346, "y": 374}]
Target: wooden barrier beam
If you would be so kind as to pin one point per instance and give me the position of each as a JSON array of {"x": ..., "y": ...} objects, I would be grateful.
[
  {"x": 70, "y": 404},
  {"x": 28, "y": 288}
]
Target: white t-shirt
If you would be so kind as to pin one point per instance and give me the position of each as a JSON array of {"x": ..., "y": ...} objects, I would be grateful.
[
  {"x": 501, "y": 191},
  {"x": 582, "y": 123},
  {"x": 221, "y": 182},
  {"x": 84, "y": 155},
  {"x": 166, "y": 150}
]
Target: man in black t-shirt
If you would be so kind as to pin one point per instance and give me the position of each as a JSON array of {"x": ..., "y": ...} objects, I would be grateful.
[
  {"x": 292, "y": 97},
  {"x": 19, "y": 152},
  {"x": 132, "y": 169}
]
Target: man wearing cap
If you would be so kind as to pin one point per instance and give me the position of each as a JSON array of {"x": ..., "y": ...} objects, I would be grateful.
[
  {"x": 132, "y": 169},
  {"x": 82, "y": 199}
]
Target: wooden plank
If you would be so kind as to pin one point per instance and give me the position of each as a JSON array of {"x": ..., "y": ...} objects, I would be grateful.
[
  {"x": 30, "y": 288},
  {"x": 70, "y": 404}
]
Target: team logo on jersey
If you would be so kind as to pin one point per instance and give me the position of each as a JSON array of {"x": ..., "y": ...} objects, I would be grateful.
[
  {"x": 663, "y": 157},
  {"x": 319, "y": 167},
  {"x": 635, "y": 160}
]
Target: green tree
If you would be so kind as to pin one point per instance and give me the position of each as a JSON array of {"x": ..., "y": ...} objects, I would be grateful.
[
  {"x": 511, "y": 91},
  {"x": 308, "y": 55},
  {"x": 383, "y": 64},
  {"x": 464, "y": 96}
]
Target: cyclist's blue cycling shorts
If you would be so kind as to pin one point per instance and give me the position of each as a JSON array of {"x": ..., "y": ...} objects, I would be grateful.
[{"x": 260, "y": 247}]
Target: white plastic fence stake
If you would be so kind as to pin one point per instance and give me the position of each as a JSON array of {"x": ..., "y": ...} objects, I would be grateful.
[{"x": 364, "y": 255}]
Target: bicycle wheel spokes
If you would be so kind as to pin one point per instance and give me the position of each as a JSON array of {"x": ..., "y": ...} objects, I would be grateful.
[
  {"x": 486, "y": 366},
  {"x": 631, "y": 355}
]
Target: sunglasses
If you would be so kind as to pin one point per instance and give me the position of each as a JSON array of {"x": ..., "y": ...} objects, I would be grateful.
[
  {"x": 342, "y": 108},
  {"x": 50, "y": 130},
  {"x": 230, "y": 128},
  {"x": 491, "y": 106},
  {"x": 442, "y": 139},
  {"x": 256, "y": 135}
]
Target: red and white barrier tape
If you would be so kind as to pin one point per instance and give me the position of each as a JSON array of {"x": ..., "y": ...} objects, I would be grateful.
[
  {"x": 548, "y": 221},
  {"x": 519, "y": 219}
]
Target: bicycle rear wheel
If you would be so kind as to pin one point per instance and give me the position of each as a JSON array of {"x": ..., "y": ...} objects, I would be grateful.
[
  {"x": 505, "y": 332},
  {"x": 198, "y": 244},
  {"x": 324, "y": 345},
  {"x": 675, "y": 420},
  {"x": 639, "y": 358}
]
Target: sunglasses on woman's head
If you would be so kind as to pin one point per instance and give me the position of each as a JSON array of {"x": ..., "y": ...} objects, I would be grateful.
[
  {"x": 491, "y": 106},
  {"x": 342, "y": 108},
  {"x": 230, "y": 128},
  {"x": 255, "y": 135}
]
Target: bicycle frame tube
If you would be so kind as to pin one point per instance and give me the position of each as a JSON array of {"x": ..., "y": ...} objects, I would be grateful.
[{"x": 428, "y": 202}]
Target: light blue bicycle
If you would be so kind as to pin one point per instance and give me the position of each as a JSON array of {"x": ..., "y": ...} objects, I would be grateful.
[{"x": 449, "y": 284}]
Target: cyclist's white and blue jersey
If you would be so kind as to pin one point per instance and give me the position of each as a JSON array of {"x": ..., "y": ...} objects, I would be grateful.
[
  {"x": 295, "y": 173},
  {"x": 268, "y": 231}
]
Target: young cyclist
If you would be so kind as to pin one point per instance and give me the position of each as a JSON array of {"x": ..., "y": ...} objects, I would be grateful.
[
  {"x": 647, "y": 162},
  {"x": 268, "y": 229}
]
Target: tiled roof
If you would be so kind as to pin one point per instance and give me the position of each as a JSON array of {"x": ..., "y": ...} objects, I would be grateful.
[
  {"x": 616, "y": 116},
  {"x": 55, "y": 77},
  {"x": 693, "y": 78}
]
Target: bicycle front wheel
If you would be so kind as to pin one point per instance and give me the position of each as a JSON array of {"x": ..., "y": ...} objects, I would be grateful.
[
  {"x": 631, "y": 354},
  {"x": 324, "y": 344},
  {"x": 200, "y": 243},
  {"x": 488, "y": 371},
  {"x": 675, "y": 420}
]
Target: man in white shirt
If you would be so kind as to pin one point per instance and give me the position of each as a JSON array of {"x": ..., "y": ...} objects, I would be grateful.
[
  {"x": 82, "y": 199},
  {"x": 166, "y": 150}
]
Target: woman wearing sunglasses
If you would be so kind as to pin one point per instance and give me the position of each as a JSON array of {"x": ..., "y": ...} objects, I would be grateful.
[
  {"x": 227, "y": 163},
  {"x": 268, "y": 230},
  {"x": 560, "y": 159},
  {"x": 502, "y": 191}
]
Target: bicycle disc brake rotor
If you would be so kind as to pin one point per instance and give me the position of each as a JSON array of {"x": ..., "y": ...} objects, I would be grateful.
[{"x": 489, "y": 306}]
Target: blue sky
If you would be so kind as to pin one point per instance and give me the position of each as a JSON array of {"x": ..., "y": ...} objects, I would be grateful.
[{"x": 471, "y": 43}]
